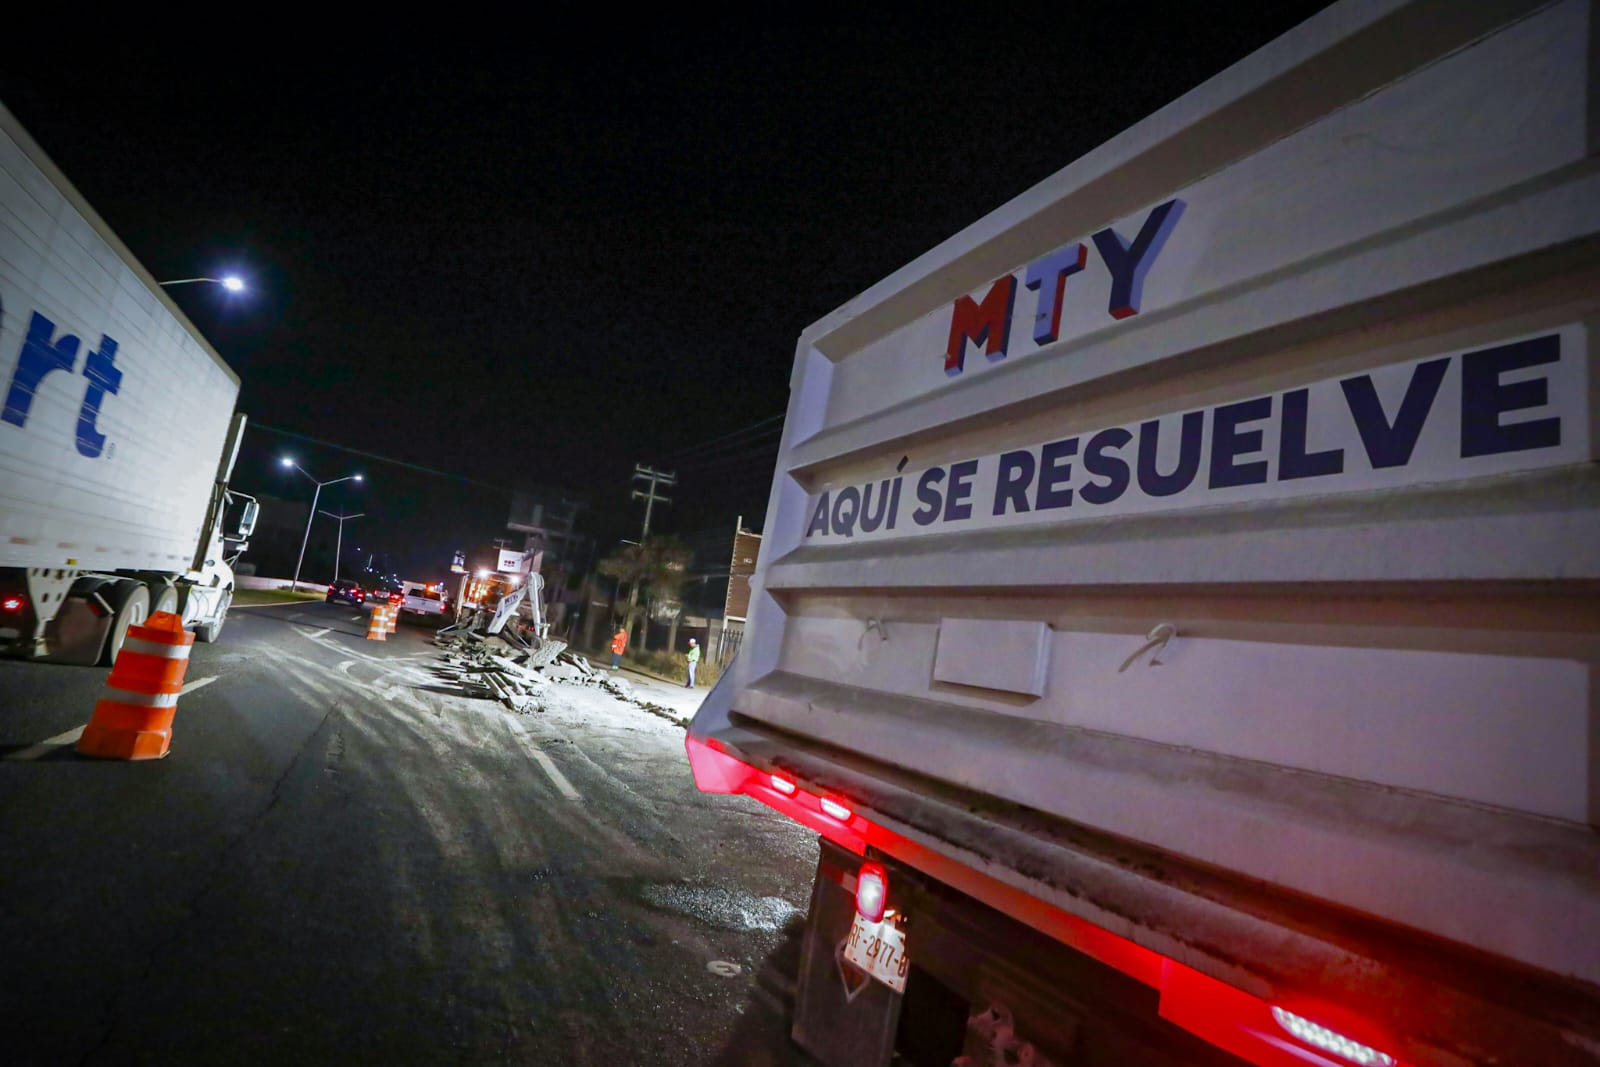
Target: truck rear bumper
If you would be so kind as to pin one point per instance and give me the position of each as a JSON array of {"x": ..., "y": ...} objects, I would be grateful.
[{"x": 1220, "y": 949}]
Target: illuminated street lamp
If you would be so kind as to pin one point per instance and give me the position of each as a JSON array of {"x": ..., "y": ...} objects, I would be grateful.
[
  {"x": 289, "y": 462},
  {"x": 231, "y": 282}
]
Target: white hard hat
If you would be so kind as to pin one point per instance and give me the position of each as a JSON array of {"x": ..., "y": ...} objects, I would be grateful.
[{"x": 692, "y": 641}]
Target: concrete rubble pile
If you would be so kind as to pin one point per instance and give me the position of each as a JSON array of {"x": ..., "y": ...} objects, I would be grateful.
[{"x": 491, "y": 668}]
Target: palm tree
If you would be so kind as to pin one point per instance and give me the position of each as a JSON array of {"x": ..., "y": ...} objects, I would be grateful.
[{"x": 657, "y": 568}]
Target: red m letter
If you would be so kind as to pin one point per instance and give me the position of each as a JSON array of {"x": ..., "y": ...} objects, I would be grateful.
[{"x": 988, "y": 324}]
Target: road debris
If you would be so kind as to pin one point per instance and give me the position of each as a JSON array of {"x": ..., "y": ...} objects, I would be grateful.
[{"x": 491, "y": 668}]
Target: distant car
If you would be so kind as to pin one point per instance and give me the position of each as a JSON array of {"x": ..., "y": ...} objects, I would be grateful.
[
  {"x": 346, "y": 590},
  {"x": 385, "y": 594},
  {"x": 422, "y": 600}
]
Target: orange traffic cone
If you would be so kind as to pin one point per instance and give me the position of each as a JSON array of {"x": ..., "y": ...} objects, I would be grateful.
[
  {"x": 392, "y": 614},
  {"x": 377, "y": 626},
  {"x": 134, "y": 719}
]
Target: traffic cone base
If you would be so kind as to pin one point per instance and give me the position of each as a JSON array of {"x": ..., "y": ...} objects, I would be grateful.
[
  {"x": 133, "y": 721},
  {"x": 103, "y": 742}
]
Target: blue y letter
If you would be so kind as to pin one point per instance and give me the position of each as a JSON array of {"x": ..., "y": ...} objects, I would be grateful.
[{"x": 1129, "y": 264}]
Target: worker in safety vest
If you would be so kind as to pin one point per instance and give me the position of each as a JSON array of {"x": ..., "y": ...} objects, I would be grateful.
[
  {"x": 694, "y": 661},
  {"x": 619, "y": 644}
]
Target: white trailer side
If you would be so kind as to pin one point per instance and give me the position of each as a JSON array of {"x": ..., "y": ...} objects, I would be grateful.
[{"x": 116, "y": 410}]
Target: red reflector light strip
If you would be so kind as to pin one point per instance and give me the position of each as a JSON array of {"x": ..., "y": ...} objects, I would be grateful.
[
  {"x": 1229, "y": 1018},
  {"x": 717, "y": 771},
  {"x": 13, "y": 603}
]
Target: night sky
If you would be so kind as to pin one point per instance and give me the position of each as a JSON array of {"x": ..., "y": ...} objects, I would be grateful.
[{"x": 543, "y": 254}]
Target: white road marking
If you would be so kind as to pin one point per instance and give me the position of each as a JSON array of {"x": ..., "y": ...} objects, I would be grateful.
[
  {"x": 298, "y": 615},
  {"x": 319, "y": 633},
  {"x": 60, "y": 741},
  {"x": 48, "y": 745},
  {"x": 317, "y": 636},
  {"x": 555, "y": 774},
  {"x": 559, "y": 779}
]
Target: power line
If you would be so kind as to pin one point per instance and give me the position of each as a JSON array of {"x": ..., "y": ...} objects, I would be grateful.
[
  {"x": 700, "y": 445},
  {"x": 766, "y": 457},
  {"x": 375, "y": 456},
  {"x": 766, "y": 439}
]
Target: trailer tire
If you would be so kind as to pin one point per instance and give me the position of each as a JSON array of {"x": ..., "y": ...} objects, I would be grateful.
[
  {"x": 211, "y": 629},
  {"x": 164, "y": 598},
  {"x": 131, "y": 602}
]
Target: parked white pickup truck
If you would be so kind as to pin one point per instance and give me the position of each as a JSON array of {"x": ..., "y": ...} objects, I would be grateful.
[
  {"x": 1177, "y": 608},
  {"x": 422, "y": 599}
]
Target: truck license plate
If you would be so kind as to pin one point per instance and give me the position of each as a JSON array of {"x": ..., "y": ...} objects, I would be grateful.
[{"x": 880, "y": 950}]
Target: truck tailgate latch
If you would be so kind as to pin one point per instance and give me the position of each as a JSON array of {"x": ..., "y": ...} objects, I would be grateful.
[{"x": 1156, "y": 639}]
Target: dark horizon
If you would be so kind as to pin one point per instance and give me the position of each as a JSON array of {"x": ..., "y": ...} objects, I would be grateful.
[{"x": 545, "y": 266}]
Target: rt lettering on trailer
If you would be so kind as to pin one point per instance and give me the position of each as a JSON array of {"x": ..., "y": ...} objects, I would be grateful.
[{"x": 42, "y": 352}]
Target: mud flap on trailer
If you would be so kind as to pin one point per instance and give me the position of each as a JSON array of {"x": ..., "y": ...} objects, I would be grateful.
[
  {"x": 842, "y": 1016},
  {"x": 77, "y": 633}
]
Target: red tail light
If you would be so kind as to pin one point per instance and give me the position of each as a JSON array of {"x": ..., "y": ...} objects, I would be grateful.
[
  {"x": 13, "y": 603},
  {"x": 872, "y": 891}
]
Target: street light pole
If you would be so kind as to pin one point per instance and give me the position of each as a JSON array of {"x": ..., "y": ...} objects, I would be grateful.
[
  {"x": 314, "y": 498},
  {"x": 287, "y": 462},
  {"x": 338, "y": 546},
  {"x": 231, "y": 282}
]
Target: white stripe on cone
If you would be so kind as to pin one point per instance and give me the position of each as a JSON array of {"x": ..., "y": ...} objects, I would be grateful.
[
  {"x": 156, "y": 648},
  {"x": 143, "y": 700}
]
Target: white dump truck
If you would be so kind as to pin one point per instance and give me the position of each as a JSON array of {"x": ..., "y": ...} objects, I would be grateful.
[
  {"x": 1177, "y": 611},
  {"x": 117, "y": 436}
]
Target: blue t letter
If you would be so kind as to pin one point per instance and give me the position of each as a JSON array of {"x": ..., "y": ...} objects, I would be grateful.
[
  {"x": 104, "y": 377},
  {"x": 1049, "y": 277}
]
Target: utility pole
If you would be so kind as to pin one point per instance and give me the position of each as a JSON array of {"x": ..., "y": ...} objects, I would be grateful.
[
  {"x": 650, "y": 497},
  {"x": 339, "y": 544},
  {"x": 645, "y": 474}
]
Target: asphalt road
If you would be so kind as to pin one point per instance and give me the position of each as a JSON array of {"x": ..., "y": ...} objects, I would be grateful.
[{"x": 343, "y": 862}]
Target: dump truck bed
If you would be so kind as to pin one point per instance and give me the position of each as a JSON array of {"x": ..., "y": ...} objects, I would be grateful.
[{"x": 1205, "y": 543}]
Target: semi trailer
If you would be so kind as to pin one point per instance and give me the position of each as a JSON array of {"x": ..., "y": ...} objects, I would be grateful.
[{"x": 117, "y": 435}]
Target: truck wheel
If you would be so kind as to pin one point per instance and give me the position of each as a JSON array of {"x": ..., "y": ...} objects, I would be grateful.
[
  {"x": 131, "y": 602},
  {"x": 163, "y": 598},
  {"x": 211, "y": 629}
]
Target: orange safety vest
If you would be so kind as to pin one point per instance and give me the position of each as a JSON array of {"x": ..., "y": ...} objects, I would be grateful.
[{"x": 619, "y": 642}]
